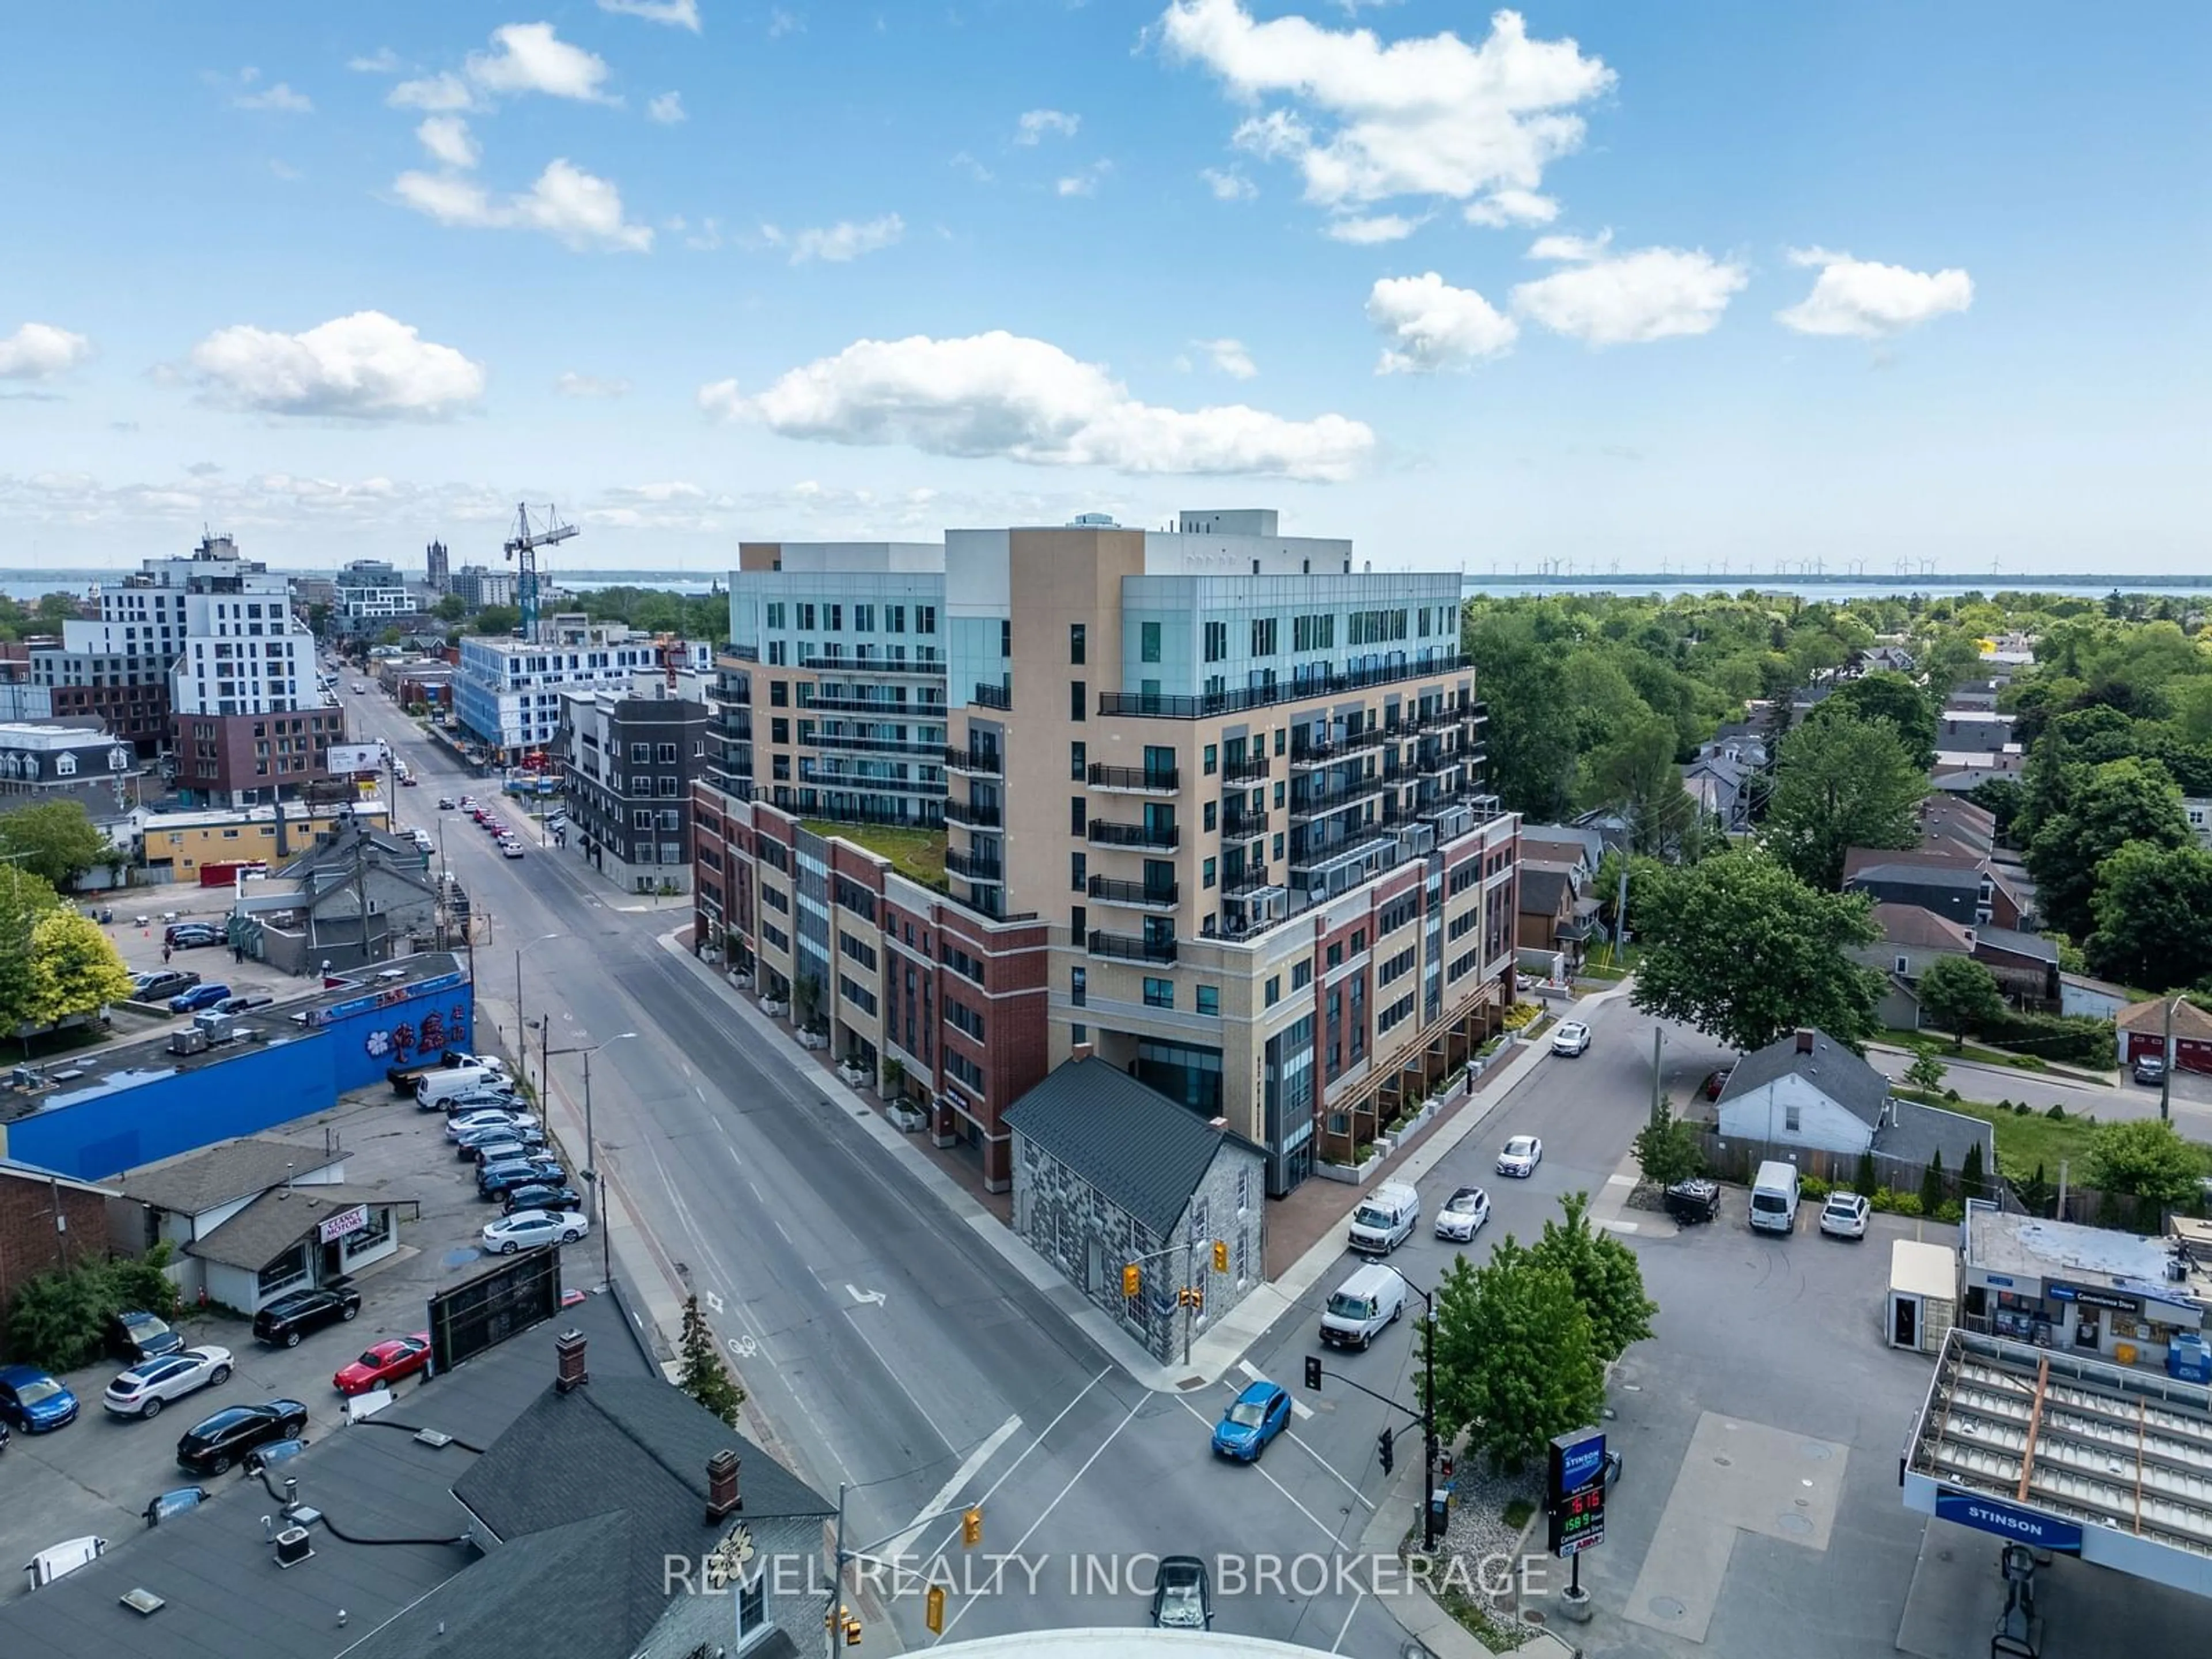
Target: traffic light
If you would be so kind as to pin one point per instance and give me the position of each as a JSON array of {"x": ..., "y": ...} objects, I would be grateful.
[
  {"x": 932, "y": 1609},
  {"x": 1190, "y": 1297},
  {"x": 852, "y": 1632},
  {"x": 1221, "y": 1256},
  {"x": 1313, "y": 1371},
  {"x": 1132, "y": 1281},
  {"x": 971, "y": 1528},
  {"x": 1383, "y": 1442}
]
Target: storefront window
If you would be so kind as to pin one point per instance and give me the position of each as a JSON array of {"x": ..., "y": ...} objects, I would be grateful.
[
  {"x": 371, "y": 1238},
  {"x": 286, "y": 1270}
]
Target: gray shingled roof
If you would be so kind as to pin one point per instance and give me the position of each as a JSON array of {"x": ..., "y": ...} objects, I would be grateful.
[
  {"x": 1543, "y": 885},
  {"x": 636, "y": 1449},
  {"x": 274, "y": 1221},
  {"x": 1915, "y": 875},
  {"x": 203, "y": 1181},
  {"x": 1832, "y": 1069},
  {"x": 1141, "y": 1149},
  {"x": 535, "y": 1597},
  {"x": 1920, "y": 1132},
  {"x": 2017, "y": 943}
]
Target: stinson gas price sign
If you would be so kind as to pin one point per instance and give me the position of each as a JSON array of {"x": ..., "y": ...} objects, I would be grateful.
[{"x": 1574, "y": 1498}]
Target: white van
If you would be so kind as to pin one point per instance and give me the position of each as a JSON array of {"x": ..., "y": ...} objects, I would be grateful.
[
  {"x": 63, "y": 1560},
  {"x": 1774, "y": 1198},
  {"x": 1365, "y": 1303},
  {"x": 431, "y": 1088},
  {"x": 1385, "y": 1218}
]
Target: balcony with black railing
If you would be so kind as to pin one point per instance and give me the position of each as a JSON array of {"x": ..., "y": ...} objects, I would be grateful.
[
  {"x": 1157, "y": 706},
  {"x": 1152, "y": 780},
  {"x": 1143, "y": 895},
  {"x": 1328, "y": 751},
  {"x": 1242, "y": 826},
  {"x": 881, "y": 708},
  {"x": 971, "y": 866},
  {"x": 1318, "y": 802},
  {"x": 931, "y": 668},
  {"x": 862, "y": 743},
  {"x": 977, "y": 762},
  {"x": 976, "y": 815},
  {"x": 1246, "y": 770},
  {"x": 1123, "y": 948},
  {"x": 1104, "y": 832},
  {"x": 993, "y": 697}
]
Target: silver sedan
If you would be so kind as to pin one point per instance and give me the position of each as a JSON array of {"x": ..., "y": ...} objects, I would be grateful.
[{"x": 143, "y": 1390}]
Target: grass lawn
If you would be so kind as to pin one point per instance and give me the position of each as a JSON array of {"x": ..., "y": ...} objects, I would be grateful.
[
  {"x": 917, "y": 854},
  {"x": 2025, "y": 1142},
  {"x": 1928, "y": 1043}
]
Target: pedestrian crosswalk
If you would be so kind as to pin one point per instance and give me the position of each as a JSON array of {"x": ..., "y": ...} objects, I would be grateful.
[{"x": 1299, "y": 1409}]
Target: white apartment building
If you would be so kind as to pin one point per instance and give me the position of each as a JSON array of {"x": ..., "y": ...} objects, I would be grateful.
[{"x": 508, "y": 694}]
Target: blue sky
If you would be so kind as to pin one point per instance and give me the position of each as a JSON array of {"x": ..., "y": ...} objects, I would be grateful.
[{"x": 1719, "y": 282}]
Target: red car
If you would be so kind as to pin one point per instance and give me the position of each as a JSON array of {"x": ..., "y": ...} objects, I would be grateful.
[{"x": 386, "y": 1363}]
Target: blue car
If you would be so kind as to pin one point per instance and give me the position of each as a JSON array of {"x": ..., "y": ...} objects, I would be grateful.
[
  {"x": 33, "y": 1401},
  {"x": 200, "y": 997},
  {"x": 1254, "y": 1418}
]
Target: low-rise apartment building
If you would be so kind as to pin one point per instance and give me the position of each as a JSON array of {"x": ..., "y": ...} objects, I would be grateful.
[
  {"x": 629, "y": 756},
  {"x": 1249, "y": 859},
  {"x": 508, "y": 694}
]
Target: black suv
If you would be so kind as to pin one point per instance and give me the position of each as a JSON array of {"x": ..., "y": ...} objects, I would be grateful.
[
  {"x": 291, "y": 1316},
  {"x": 213, "y": 1444},
  {"x": 134, "y": 1337}
]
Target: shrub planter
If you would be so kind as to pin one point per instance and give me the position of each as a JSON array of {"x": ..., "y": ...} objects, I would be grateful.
[
  {"x": 1352, "y": 1175},
  {"x": 909, "y": 1117}
]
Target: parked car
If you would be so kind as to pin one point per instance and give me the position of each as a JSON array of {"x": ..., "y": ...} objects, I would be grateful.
[
  {"x": 1386, "y": 1218},
  {"x": 485, "y": 1147},
  {"x": 484, "y": 1098},
  {"x": 1254, "y": 1418},
  {"x": 302, "y": 1312},
  {"x": 59, "y": 1560},
  {"x": 161, "y": 986},
  {"x": 445, "y": 803},
  {"x": 496, "y": 1181},
  {"x": 510, "y": 849},
  {"x": 133, "y": 1336},
  {"x": 242, "y": 1005},
  {"x": 1463, "y": 1214},
  {"x": 200, "y": 997},
  {"x": 1520, "y": 1155},
  {"x": 1715, "y": 1082},
  {"x": 384, "y": 1363},
  {"x": 1182, "y": 1595},
  {"x": 540, "y": 1196},
  {"x": 485, "y": 1117},
  {"x": 213, "y": 1444},
  {"x": 526, "y": 1230},
  {"x": 1844, "y": 1215},
  {"x": 2150, "y": 1069},
  {"x": 191, "y": 935},
  {"x": 143, "y": 1390},
  {"x": 33, "y": 1401},
  {"x": 1694, "y": 1200},
  {"x": 1573, "y": 1037}
]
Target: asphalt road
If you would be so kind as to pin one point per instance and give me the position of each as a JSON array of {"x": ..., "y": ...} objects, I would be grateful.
[
  {"x": 891, "y": 1346},
  {"x": 2190, "y": 1106}
]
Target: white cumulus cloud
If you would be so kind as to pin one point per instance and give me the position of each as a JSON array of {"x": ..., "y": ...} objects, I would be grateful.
[
  {"x": 1431, "y": 324},
  {"x": 573, "y": 385},
  {"x": 1000, "y": 395},
  {"x": 1230, "y": 357},
  {"x": 365, "y": 367},
  {"x": 667, "y": 109},
  {"x": 680, "y": 13},
  {"x": 531, "y": 57},
  {"x": 1363, "y": 121},
  {"x": 443, "y": 91},
  {"x": 1866, "y": 301},
  {"x": 446, "y": 137},
  {"x": 1036, "y": 124},
  {"x": 1366, "y": 229},
  {"x": 382, "y": 61},
  {"x": 837, "y": 244},
  {"x": 1228, "y": 184},
  {"x": 279, "y": 98},
  {"x": 1512, "y": 207},
  {"x": 566, "y": 203},
  {"x": 1084, "y": 183},
  {"x": 39, "y": 351},
  {"x": 1605, "y": 299}
]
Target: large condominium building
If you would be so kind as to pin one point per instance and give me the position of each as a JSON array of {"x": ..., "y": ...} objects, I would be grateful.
[
  {"x": 854, "y": 728},
  {"x": 508, "y": 692},
  {"x": 630, "y": 755},
  {"x": 1214, "y": 811}
]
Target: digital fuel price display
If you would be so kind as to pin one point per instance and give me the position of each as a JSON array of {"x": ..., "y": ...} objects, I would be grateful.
[{"x": 1575, "y": 1493}]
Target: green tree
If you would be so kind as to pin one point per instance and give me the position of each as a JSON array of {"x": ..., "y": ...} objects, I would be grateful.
[
  {"x": 1960, "y": 995},
  {"x": 451, "y": 607},
  {"x": 496, "y": 619},
  {"x": 319, "y": 619},
  {"x": 74, "y": 968},
  {"x": 1972, "y": 1181},
  {"x": 390, "y": 636},
  {"x": 2000, "y": 798},
  {"x": 1863, "y": 1180},
  {"x": 1608, "y": 1280},
  {"x": 2117, "y": 802},
  {"x": 1931, "y": 1185},
  {"x": 1531, "y": 737},
  {"x": 2145, "y": 1159},
  {"x": 1925, "y": 1073},
  {"x": 25, "y": 901},
  {"x": 1740, "y": 948},
  {"x": 1840, "y": 782},
  {"x": 2151, "y": 906},
  {"x": 704, "y": 1376},
  {"x": 1516, "y": 1359},
  {"x": 55, "y": 841},
  {"x": 1636, "y": 776},
  {"x": 1666, "y": 1149},
  {"x": 1892, "y": 698}
]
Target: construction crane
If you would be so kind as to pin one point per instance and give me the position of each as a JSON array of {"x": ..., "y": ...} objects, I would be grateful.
[{"x": 522, "y": 547}]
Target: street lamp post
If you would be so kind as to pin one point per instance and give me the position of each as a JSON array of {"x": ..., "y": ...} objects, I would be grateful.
[
  {"x": 1428, "y": 1411},
  {"x": 591, "y": 1181}
]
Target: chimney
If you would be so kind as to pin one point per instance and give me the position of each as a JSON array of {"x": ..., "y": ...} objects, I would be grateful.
[
  {"x": 722, "y": 1498},
  {"x": 568, "y": 1351},
  {"x": 1080, "y": 1052},
  {"x": 1805, "y": 1036}
]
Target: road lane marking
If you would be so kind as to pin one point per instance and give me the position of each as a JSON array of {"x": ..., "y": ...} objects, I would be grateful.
[
  {"x": 969, "y": 1467},
  {"x": 1299, "y": 1406},
  {"x": 1333, "y": 1470},
  {"x": 1358, "y": 1595},
  {"x": 1044, "y": 1514},
  {"x": 864, "y": 1298},
  {"x": 992, "y": 1490},
  {"x": 1328, "y": 1531}
]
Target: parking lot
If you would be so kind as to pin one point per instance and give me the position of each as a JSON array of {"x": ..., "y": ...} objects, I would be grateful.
[
  {"x": 139, "y": 943},
  {"x": 96, "y": 1475}
]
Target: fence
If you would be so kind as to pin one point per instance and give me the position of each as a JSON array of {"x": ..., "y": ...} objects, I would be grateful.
[{"x": 1737, "y": 1159}]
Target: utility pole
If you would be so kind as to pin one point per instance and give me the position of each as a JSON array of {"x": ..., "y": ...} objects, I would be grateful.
[
  {"x": 1657, "y": 1037},
  {"x": 2165, "y": 1071},
  {"x": 1189, "y": 1276},
  {"x": 521, "y": 1025}
]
